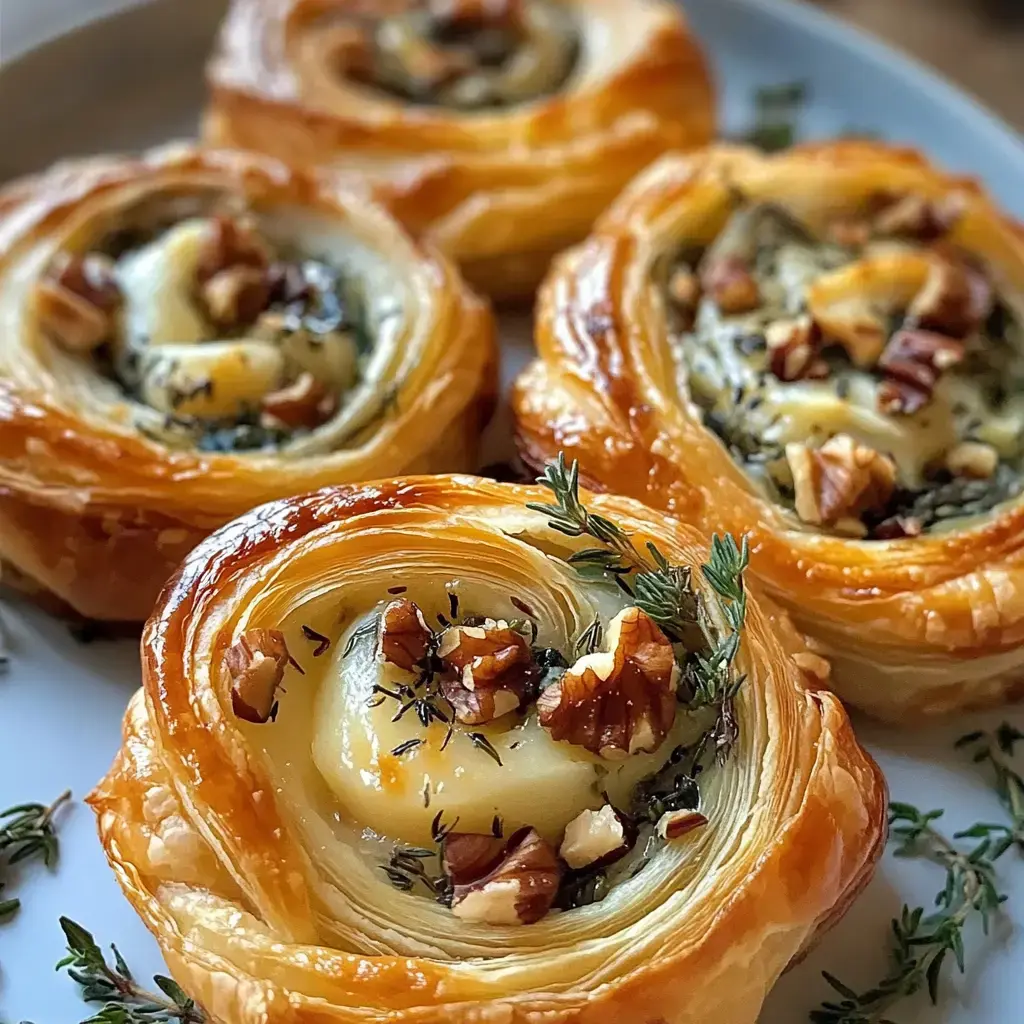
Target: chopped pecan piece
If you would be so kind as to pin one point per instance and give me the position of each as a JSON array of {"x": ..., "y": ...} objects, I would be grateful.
[
  {"x": 619, "y": 701},
  {"x": 236, "y": 296},
  {"x": 839, "y": 481},
  {"x": 684, "y": 289},
  {"x": 518, "y": 890},
  {"x": 404, "y": 639},
  {"x": 596, "y": 839},
  {"x": 731, "y": 285},
  {"x": 851, "y": 232},
  {"x": 230, "y": 244},
  {"x": 913, "y": 362},
  {"x": 676, "y": 824},
  {"x": 897, "y": 527},
  {"x": 972, "y": 459},
  {"x": 793, "y": 348},
  {"x": 488, "y": 670},
  {"x": 468, "y": 856},
  {"x": 77, "y": 300},
  {"x": 916, "y": 216},
  {"x": 256, "y": 664},
  {"x": 956, "y": 299},
  {"x": 303, "y": 403},
  {"x": 287, "y": 284}
]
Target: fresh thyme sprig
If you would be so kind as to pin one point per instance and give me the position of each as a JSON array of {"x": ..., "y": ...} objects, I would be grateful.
[
  {"x": 996, "y": 749},
  {"x": 665, "y": 592},
  {"x": 27, "y": 831},
  {"x": 923, "y": 943},
  {"x": 124, "y": 1000}
]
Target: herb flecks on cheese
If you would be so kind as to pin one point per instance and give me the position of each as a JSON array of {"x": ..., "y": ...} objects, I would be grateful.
[{"x": 867, "y": 375}]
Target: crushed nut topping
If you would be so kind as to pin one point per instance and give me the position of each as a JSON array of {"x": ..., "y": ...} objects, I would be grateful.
[
  {"x": 731, "y": 285},
  {"x": 972, "y": 459},
  {"x": 793, "y": 348},
  {"x": 256, "y": 664},
  {"x": 897, "y": 527},
  {"x": 839, "y": 481},
  {"x": 619, "y": 701},
  {"x": 915, "y": 216},
  {"x": 596, "y": 839},
  {"x": 913, "y": 361},
  {"x": 468, "y": 856},
  {"x": 404, "y": 638},
  {"x": 518, "y": 890},
  {"x": 76, "y": 301},
  {"x": 956, "y": 299},
  {"x": 676, "y": 824},
  {"x": 684, "y": 291},
  {"x": 488, "y": 670},
  {"x": 231, "y": 243},
  {"x": 303, "y": 403},
  {"x": 236, "y": 296}
]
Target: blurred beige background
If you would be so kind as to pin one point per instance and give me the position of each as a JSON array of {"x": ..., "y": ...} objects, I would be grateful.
[{"x": 977, "y": 43}]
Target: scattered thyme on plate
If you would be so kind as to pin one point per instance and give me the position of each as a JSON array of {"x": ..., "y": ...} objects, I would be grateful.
[
  {"x": 123, "y": 1000},
  {"x": 923, "y": 942},
  {"x": 27, "y": 831}
]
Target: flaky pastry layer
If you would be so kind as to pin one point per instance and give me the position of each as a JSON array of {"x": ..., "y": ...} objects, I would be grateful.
[
  {"x": 914, "y": 626},
  {"x": 94, "y": 516},
  {"x": 498, "y": 190},
  {"x": 263, "y": 919}
]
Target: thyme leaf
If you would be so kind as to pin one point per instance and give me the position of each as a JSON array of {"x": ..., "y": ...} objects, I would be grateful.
[
  {"x": 27, "y": 831},
  {"x": 924, "y": 943},
  {"x": 123, "y": 1000}
]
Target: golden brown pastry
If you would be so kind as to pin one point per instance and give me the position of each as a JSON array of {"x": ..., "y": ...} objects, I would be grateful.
[
  {"x": 191, "y": 333},
  {"x": 408, "y": 752},
  {"x": 824, "y": 349},
  {"x": 501, "y": 129}
]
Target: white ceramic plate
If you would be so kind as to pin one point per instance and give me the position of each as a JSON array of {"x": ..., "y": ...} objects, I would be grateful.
[{"x": 61, "y": 702}]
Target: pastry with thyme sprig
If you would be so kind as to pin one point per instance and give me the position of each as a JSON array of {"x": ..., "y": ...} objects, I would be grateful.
[
  {"x": 411, "y": 759},
  {"x": 923, "y": 942},
  {"x": 123, "y": 999}
]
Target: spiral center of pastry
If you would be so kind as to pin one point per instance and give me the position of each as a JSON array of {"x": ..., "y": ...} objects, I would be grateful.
[
  {"x": 468, "y": 54},
  {"x": 392, "y": 773},
  {"x": 867, "y": 375},
  {"x": 221, "y": 338}
]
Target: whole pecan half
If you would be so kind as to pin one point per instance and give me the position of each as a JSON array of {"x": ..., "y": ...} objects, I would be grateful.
[
  {"x": 912, "y": 363},
  {"x": 619, "y": 701},
  {"x": 956, "y": 300},
  {"x": 488, "y": 670}
]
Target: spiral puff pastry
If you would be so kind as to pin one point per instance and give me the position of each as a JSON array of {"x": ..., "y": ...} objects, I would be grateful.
[
  {"x": 194, "y": 332},
  {"x": 823, "y": 348},
  {"x": 274, "y": 811},
  {"x": 501, "y": 129}
]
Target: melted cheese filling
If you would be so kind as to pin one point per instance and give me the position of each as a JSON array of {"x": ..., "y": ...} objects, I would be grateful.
[
  {"x": 757, "y": 414},
  {"x": 539, "y": 782}
]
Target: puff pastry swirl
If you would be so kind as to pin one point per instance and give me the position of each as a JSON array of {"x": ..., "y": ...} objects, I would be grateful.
[
  {"x": 501, "y": 130},
  {"x": 191, "y": 333},
  {"x": 272, "y": 816},
  {"x": 823, "y": 348}
]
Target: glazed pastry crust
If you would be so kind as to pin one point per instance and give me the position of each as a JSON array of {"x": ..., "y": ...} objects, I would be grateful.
[
  {"x": 94, "y": 516},
  {"x": 217, "y": 866},
  {"x": 913, "y": 627},
  {"x": 499, "y": 192}
]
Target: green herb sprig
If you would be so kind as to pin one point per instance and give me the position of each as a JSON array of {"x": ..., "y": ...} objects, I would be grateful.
[
  {"x": 996, "y": 748},
  {"x": 923, "y": 943},
  {"x": 665, "y": 592},
  {"x": 27, "y": 831},
  {"x": 777, "y": 110},
  {"x": 124, "y": 1000}
]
